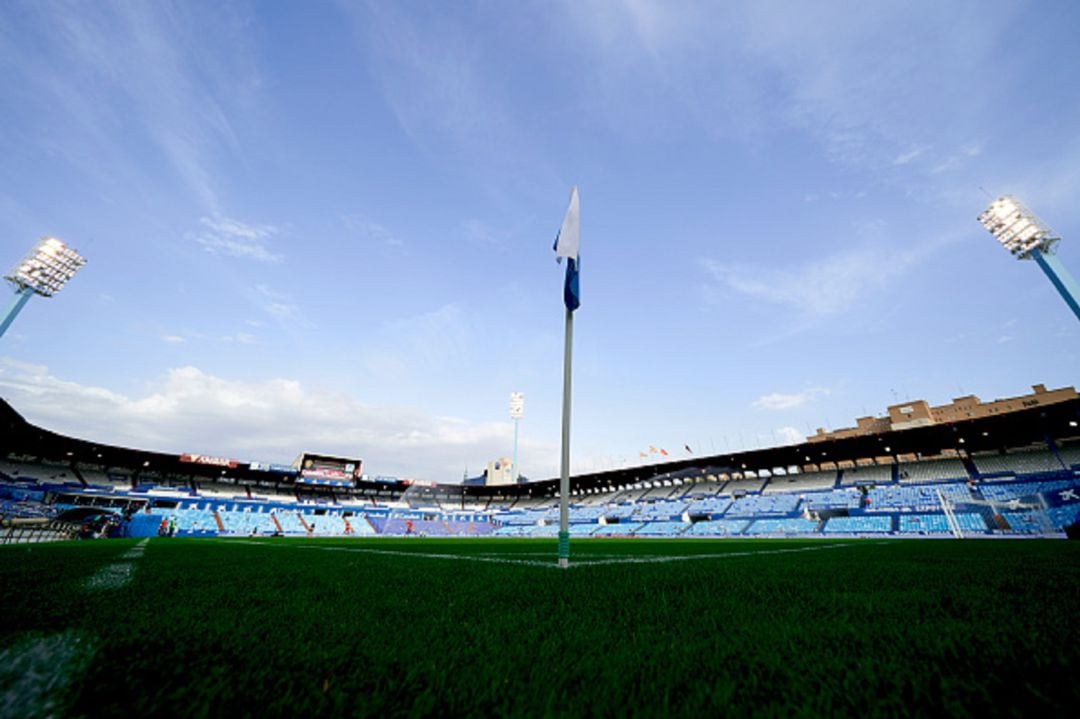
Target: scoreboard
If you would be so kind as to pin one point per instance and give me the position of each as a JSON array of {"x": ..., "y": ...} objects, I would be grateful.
[{"x": 328, "y": 470}]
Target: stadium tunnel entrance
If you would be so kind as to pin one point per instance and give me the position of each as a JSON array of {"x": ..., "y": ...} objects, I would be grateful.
[{"x": 93, "y": 522}]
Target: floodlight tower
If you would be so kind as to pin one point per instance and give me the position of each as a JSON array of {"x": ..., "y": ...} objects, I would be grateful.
[
  {"x": 1028, "y": 238},
  {"x": 517, "y": 411},
  {"x": 43, "y": 272}
]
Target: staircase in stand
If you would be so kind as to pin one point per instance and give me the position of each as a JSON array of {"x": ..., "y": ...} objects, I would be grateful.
[{"x": 307, "y": 527}]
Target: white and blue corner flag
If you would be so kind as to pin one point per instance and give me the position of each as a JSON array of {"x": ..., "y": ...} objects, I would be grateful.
[{"x": 567, "y": 244}]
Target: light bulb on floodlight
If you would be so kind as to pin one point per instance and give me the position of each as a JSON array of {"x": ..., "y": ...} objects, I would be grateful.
[
  {"x": 45, "y": 271},
  {"x": 48, "y": 267},
  {"x": 1028, "y": 238},
  {"x": 1017, "y": 228}
]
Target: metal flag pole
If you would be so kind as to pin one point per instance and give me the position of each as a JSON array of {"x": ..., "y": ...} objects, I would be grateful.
[
  {"x": 564, "y": 474},
  {"x": 567, "y": 244}
]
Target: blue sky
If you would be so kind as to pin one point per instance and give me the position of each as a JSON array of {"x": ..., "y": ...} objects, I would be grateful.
[{"x": 328, "y": 226}]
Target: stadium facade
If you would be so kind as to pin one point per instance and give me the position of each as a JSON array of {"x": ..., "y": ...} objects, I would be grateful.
[{"x": 1009, "y": 467}]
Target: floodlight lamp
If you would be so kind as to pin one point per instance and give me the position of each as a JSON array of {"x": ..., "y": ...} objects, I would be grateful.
[
  {"x": 1017, "y": 229},
  {"x": 48, "y": 267}
]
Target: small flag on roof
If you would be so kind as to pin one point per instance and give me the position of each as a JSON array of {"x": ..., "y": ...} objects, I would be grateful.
[{"x": 567, "y": 244}]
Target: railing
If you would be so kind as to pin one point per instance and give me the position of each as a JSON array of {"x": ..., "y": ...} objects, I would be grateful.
[{"x": 30, "y": 531}]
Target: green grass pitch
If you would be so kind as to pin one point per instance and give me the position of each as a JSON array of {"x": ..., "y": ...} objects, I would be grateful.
[{"x": 426, "y": 627}]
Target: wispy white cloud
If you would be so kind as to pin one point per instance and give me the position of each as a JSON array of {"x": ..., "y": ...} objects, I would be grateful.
[
  {"x": 244, "y": 338},
  {"x": 371, "y": 231},
  {"x": 819, "y": 287},
  {"x": 129, "y": 66},
  {"x": 840, "y": 73},
  {"x": 232, "y": 238},
  {"x": 908, "y": 155},
  {"x": 273, "y": 419},
  {"x": 447, "y": 86},
  {"x": 431, "y": 73},
  {"x": 240, "y": 338},
  {"x": 421, "y": 344},
  {"x": 481, "y": 233},
  {"x": 782, "y": 401},
  {"x": 280, "y": 307},
  {"x": 956, "y": 160}
]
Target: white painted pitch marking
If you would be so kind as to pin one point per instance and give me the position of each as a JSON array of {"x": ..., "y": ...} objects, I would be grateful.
[
  {"x": 35, "y": 674},
  {"x": 112, "y": 576},
  {"x": 118, "y": 574},
  {"x": 539, "y": 554},
  {"x": 653, "y": 559},
  {"x": 398, "y": 553},
  {"x": 137, "y": 551},
  {"x": 660, "y": 558}
]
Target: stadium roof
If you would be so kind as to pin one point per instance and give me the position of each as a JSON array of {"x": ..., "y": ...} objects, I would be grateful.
[{"x": 988, "y": 434}]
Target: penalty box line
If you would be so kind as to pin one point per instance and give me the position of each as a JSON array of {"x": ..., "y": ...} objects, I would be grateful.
[{"x": 655, "y": 559}]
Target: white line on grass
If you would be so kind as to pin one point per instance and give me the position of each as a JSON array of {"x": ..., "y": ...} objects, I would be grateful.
[
  {"x": 659, "y": 558},
  {"x": 394, "y": 553},
  {"x": 653, "y": 559},
  {"x": 35, "y": 674},
  {"x": 119, "y": 574},
  {"x": 112, "y": 576},
  {"x": 137, "y": 551}
]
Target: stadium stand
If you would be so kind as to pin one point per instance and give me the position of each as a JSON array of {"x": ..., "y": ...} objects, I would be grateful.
[
  {"x": 803, "y": 482},
  {"x": 708, "y": 505},
  {"x": 1028, "y": 522},
  {"x": 743, "y": 486},
  {"x": 1018, "y": 492},
  {"x": 783, "y": 526},
  {"x": 661, "y": 529},
  {"x": 752, "y": 505},
  {"x": 938, "y": 524},
  {"x": 908, "y": 498},
  {"x": 876, "y": 474},
  {"x": 660, "y": 510},
  {"x": 836, "y": 499},
  {"x": 934, "y": 470},
  {"x": 858, "y": 525},
  {"x": 718, "y": 528},
  {"x": 623, "y": 529},
  {"x": 1070, "y": 456},
  {"x": 1018, "y": 463},
  {"x": 1004, "y": 492}
]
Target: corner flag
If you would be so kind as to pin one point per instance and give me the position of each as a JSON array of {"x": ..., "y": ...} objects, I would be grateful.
[{"x": 567, "y": 244}]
